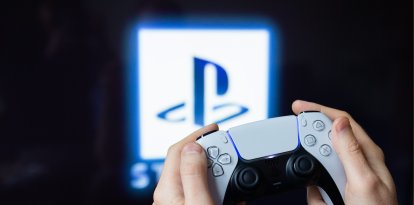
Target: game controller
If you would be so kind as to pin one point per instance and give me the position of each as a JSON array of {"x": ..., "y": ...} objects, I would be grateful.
[{"x": 271, "y": 156}]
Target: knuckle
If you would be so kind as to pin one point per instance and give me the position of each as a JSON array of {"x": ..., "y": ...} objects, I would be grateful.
[
  {"x": 379, "y": 154},
  {"x": 345, "y": 114},
  {"x": 172, "y": 149},
  {"x": 367, "y": 185},
  {"x": 371, "y": 183},
  {"x": 354, "y": 147}
]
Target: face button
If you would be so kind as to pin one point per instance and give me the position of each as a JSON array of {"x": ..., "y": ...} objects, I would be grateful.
[
  {"x": 303, "y": 166},
  {"x": 224, "y": 159},
  {"x": 310, "y": 140},
  {"x": 213, "y": 152},
  {"x": 325, "y": 150},
  {"x": 318, "y": 125},
  {"x": 217, "y": 170}
]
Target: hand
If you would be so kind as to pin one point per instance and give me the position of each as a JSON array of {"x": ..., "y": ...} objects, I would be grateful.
[
  {"x": 184, "y": 176},
  {"x": 368, "y": 179}
]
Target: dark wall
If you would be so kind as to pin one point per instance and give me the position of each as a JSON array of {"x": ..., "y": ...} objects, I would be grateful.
[{"x": 61, "y": 103}]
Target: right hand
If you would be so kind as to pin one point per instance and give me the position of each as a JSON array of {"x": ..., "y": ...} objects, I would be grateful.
[{"x": 368, "y": 179}]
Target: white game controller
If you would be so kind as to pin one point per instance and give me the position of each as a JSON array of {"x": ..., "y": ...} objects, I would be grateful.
[{"x": 272, "y": 156}]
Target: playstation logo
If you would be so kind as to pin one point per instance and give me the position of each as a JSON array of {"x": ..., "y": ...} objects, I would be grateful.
[
  {"x": 186, "y": 78},
  {"x": 222, "y": 84}
]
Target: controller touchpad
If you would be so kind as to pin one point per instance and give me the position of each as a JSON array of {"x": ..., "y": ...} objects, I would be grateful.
[{"x": 266, "y": 138}]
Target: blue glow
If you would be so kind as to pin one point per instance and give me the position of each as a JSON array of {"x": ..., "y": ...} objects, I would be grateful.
[
  {"x": 297, "y": 127},
  {"x": 131, "y": 76},
  {"x": 140, "y": 177},
  {"x": 241, "y": 112},
  {"x": 234, "y": 145},
  {"x": 163, "y": 114}
]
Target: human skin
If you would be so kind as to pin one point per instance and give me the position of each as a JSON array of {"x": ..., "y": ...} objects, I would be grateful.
[
  {"x": 368, "y": 178},
  {"x": 184, "y": 176}
]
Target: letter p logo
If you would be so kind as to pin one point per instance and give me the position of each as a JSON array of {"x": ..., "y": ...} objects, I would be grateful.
[{"x": 222, "y": 83}]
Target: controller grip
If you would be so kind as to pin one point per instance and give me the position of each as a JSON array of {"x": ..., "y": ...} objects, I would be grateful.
[
  {"x": 325, "y": 196},
  {"x": 329, "y": 192}
]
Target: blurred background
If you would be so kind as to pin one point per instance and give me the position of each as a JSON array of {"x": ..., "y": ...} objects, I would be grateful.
[{"x": 62, "y": 136}]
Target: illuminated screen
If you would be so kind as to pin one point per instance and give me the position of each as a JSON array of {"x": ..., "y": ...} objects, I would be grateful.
[{"x": 188, "y": 76}]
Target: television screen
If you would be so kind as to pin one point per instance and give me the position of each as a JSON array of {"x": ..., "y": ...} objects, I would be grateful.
[{"x": 184, "y": 76}]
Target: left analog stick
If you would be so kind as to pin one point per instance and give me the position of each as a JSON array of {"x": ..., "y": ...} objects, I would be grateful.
[{"x": 247, "y": 179}]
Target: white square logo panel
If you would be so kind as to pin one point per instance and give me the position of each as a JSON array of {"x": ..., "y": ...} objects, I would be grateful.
[{"x": 188, "y": 78}]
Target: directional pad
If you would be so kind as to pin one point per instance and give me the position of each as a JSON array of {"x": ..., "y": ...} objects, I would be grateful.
[
  {"x": 217, "y": 170},
  {"x": 224, "y": 159},
  {"x": 216, "y": 160},
  {"x": 213, "y": 152}
]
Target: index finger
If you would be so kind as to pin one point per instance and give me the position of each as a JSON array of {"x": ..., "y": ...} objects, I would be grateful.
[{"x": 300, "y": 106}]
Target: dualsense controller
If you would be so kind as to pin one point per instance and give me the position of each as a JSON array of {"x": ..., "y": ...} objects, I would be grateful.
[{"x": 274, "y": 155}]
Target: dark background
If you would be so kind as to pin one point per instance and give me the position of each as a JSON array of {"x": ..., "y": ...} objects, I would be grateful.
[{"x": 61, "y": 96}]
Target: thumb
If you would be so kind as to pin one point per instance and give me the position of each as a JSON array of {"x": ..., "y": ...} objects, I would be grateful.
[
  {"x": 193, "y": 171},
  {"x": 349, "y": 151}
]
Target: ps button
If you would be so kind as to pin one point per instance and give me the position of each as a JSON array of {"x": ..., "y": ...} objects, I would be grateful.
[
  {"x": 209, "y": 163},
  {"x": 325, "y": 150},
  {"x": 318, "y": 125},
  {"x": 213, "y": 152},
  {"x": 310, "y": 140},
  {"x": 224, "y": 159},
  {"x": 217, "y": 170}
]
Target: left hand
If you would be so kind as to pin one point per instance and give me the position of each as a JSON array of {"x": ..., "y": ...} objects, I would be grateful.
[{"x": 184, "y": 176}]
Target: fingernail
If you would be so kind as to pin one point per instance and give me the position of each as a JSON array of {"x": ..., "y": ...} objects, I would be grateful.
[
  {"x": 192, "y": 148},
  {"x": 342, "y": 125}
]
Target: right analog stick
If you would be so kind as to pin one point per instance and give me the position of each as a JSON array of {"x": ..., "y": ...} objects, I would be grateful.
[{"x": 303, "y": 166}]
